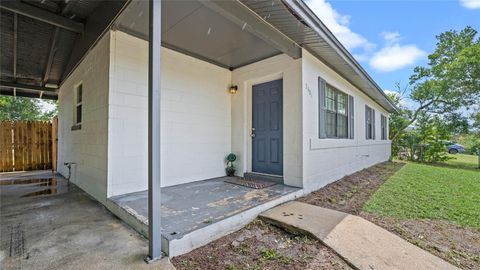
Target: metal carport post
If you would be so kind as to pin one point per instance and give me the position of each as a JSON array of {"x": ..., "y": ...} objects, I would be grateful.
[{"x": 154, "y": 202}]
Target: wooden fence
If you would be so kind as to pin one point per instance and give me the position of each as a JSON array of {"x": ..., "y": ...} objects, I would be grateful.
[{"x": 28, "y": 145}]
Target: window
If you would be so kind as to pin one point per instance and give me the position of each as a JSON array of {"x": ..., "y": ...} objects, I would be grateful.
[
  {"x": 384, "y": 125},
  {"x": 77, "y": 120},
  {"x": 369, "y": 123},
  {"x": 335, "y": 112}
]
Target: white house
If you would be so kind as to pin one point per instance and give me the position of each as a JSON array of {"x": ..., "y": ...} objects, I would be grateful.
[{"x": 265, "y": 80}]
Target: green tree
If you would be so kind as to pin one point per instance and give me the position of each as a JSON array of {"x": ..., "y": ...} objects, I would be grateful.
[
  {"x": 450, "y": 81},
  {"x": 398, "y": 121},
  {"x": 21, "y": 108}
]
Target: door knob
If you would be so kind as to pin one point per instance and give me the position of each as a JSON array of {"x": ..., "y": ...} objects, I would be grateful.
[{"x": 253, "y": 133}]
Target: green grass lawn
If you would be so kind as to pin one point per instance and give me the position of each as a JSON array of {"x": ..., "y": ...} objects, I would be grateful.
[
  {"x": 463, "y": 161},
  {"x": 420, "y": 191}
]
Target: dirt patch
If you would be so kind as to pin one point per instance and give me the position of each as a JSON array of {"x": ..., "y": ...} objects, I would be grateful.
[
  {"x": 261, "y": 246},
  {"x": 455, "y": 244}
]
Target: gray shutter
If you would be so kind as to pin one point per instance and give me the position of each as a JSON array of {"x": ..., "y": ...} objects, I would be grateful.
[
  {"x": 373, "y": 124},
  {"x": 351, "y": 118},
  {"x": 322, "y": 109},
  {"x": 386, "y": 128},
  {"x": 381, "y": 126},
  {"x": 366, "y": 121}
]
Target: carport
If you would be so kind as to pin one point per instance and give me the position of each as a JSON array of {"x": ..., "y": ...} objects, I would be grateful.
[{"x": 44, "y": 41}]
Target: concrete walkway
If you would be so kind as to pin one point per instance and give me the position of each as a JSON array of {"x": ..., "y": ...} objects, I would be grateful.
[
  {"x": 360, "y": 242},
  {"x": 46, "y": 223}
]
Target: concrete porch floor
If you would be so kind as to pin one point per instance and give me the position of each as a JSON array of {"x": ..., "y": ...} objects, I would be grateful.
[
  {"x": 46, "y": 223},
  {"x": 209, "y": 209}
]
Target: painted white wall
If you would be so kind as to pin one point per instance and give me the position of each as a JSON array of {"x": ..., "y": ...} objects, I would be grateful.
[
  {"x": 201, "y": 121},
  {"x": 281, "y": 66},
  {"x": 127, "y": 115},
  {"x": 86, "y": 147},
  {"x": 327, "y": 160},
  {"x": 196, "y": 124}
]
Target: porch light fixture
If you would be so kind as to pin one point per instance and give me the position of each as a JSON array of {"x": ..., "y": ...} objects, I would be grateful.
[{"x": 233, "y": 89}]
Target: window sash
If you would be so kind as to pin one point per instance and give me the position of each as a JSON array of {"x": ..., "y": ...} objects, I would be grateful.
[
  {"x": 78, "y": 104},
  {"x": 369, "y": 125},
  {"x": 337, "y": 113},
  {"x": 384, "y": 127}
]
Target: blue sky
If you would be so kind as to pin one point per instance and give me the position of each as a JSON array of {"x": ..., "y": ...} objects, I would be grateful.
[{"x": 390, "y": 38}]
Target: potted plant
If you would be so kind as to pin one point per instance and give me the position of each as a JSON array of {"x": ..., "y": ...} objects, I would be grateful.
[{"x": 230, "y": 169}]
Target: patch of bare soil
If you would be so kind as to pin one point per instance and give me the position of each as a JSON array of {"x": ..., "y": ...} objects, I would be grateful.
[
  {"x": 261, "y": 246},
  {"x": 456, "y": 244}
]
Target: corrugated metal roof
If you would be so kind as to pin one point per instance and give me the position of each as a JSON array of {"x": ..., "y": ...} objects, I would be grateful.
[{"x": 36, "y": 53}]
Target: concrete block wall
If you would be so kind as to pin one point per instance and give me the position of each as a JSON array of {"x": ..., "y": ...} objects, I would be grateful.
[
  {"x": 127, "y": 114},
  {"x": 327, "y": 160},
  {"x": 86, "y": 147},
  {"x": 201, "y": 121},
  {"x": 196, "y": 124},
  {"x": 277, "y": 67}
]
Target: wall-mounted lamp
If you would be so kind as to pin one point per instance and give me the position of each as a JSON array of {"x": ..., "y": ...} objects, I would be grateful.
[{"x": 233, "y": 89}]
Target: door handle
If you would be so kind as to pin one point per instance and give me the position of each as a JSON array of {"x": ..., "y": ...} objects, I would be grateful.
[{"x": 253, "y": 133}]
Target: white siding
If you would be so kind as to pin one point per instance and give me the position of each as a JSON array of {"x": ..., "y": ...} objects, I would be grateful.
[
  {"x": 281, "y": 66},
  {"x": 195, "y": 117},
  {"x": 327, "y": 160},
  {"x": 88, "y": 146}
]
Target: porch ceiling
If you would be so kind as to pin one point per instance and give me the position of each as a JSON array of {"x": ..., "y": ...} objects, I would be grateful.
[{"x": 225, "y": 33}]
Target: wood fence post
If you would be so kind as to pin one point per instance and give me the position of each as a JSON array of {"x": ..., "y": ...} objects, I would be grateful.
[{"x": 54, "y": 143}]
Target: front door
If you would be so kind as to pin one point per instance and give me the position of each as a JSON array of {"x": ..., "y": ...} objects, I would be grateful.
[{"x": 267, "y": 128}]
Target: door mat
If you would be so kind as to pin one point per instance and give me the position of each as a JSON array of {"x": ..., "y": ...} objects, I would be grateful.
[{"x": 250, "y": 183}]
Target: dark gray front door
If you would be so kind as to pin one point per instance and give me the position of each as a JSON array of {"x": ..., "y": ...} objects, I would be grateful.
[{"x": 267, "y": 141}]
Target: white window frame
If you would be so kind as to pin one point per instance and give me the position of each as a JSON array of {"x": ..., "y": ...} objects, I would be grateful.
[
  {"x": 338, "y": 114},
  {"x": 369, "y": 123},
  {"x": 78, "y": 91},
  {"x": 384, "y": 127}
]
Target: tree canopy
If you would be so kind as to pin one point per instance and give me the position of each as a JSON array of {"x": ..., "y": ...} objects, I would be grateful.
[
  {"x": 446, "y": 93},
  {"x": 21, "y": 108},
  {"x": 451, "y": 80}
]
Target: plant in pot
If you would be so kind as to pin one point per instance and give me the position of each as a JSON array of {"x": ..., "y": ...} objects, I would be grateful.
[{"x": 230, "y": 169}]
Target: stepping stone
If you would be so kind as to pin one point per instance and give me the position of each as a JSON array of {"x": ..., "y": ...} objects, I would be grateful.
[{"x": 360, "y": 242}]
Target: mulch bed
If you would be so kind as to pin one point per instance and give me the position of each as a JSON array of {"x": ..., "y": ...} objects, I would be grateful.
[
  {"x": 262, "y": 246},
  {"x": 455, "y": 244}
]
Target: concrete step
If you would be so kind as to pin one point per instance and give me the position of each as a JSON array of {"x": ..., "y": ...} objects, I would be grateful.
[
  {"x": 264, "y": 177},
  {"x": 361, "y": 243}
]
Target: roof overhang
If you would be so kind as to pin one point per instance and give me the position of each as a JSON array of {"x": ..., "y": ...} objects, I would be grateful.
[
  {"x": 297, "y": 21},
  {"x": 42, "y": 42}
]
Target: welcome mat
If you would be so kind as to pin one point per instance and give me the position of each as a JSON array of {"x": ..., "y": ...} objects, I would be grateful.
[{"x": 250, "y": 183}]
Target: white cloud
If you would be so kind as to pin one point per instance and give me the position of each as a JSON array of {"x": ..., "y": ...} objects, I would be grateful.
[
  {"x": 391, "y": 57},
  {"x": 391, "y": 92},
  {"x": 394, "y": 56},
  {"x": 404, "y": 101},
  {"x": 470, "y": 4},
  {"x": 338, "y": 24},
  {"x": 391, "y": 37},
  {"x": 46, "y": 106}
]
